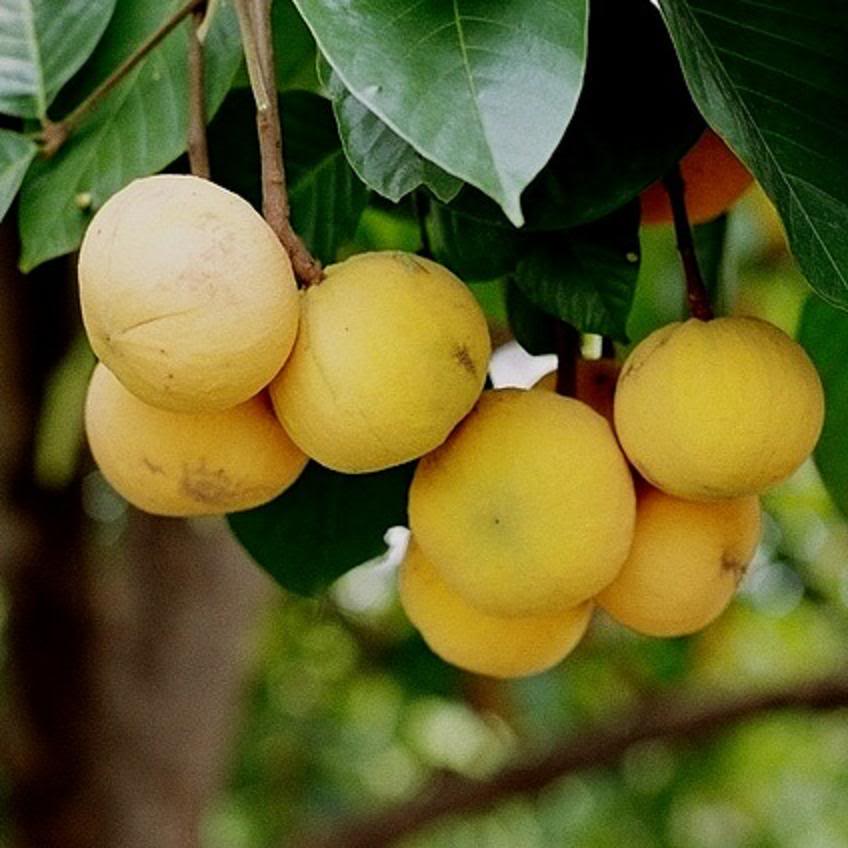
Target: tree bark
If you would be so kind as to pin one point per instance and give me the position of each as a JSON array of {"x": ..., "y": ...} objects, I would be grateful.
[{"x": 125, "y": 660}]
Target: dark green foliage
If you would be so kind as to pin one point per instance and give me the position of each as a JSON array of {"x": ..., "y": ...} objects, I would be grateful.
[
  {"x": 326, "y": 196},
  {"x": 824, "y": 334},
  {"x": 324, "y": 525},
  {"x": 770, "y": 77},
  {"x": 634, "y": 120},
  {"x": 585, "y": 276}
]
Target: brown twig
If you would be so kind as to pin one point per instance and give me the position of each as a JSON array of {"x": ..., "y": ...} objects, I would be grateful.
[
  {"x": 198, "y": 150},
  {"x": 673, "y": 721},
  {"x": 255, "y": 24},
  {"x": 567, "y": 341},
  {"x": 696, "y": 292},
  {"x": 55, "y": 133}
]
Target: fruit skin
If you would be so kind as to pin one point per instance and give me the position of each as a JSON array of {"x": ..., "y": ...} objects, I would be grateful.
[
  {"x": 528, "y": 507},
  {"x": 718, "y": 409},
  {"x": 186, "y": 293},
  {"x": 476, "y": 641},
  {"x": 178, "y": 464},
  {"x": 713, "y": 180},
  {"x": 392, "y": 352},
  {"x": 686, "y": 561}
]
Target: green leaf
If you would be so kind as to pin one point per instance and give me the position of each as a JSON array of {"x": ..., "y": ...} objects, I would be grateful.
[
  {"x": 138, "y": 129},
  {"x": 16, "y": 154},
  {"x": 824, "y": 334},
  {"x": 770, "y": 77},
  {"x": 472, "y": 249},
  {"x": 709, "y": 241},
  {"x": 381, "y": 158},
  {"x": 533, "y": 329},
  {"x": 586, "y": 276},
  {"x": 324, "y": 525},
  {"x": 326, "y": 197},
  {"x": 42, "y": 45},
  {"x": 483, "y": 90},
  {"x": 634, "y": 120},
  {"x": 294, "y": 48}
]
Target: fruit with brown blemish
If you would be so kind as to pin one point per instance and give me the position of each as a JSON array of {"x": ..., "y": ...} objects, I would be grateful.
[
  {"x": 391, "y": 353},
  {"x": 181, "y": 464},
  {"x": 685, "y": 564}
]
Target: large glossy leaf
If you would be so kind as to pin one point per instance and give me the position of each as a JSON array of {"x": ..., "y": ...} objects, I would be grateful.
[
  {"x": 483, "y": 89},
  {"x": 381, "y": 158},
  {"x": 586, "y": 276},
  {"x": 324, "y": 525},
  {"x": 42, "y": 44},
  {"x": 138, "y": 129},
  {"x": 16, "y": 154},
  {"x": 634, "y": 120},
  {"x": 824, "y": 334},
  {"x": 770, "y": 76},
  {"x": 327, "y": 198}
]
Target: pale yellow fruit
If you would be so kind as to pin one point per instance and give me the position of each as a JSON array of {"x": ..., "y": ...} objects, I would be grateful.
[
  {"x": 180, "y": 464},
  {"x": 187, "y": 295},
  {"x": 528, "y": 507},
  {"x": 497, "y": 646},
  {"x": 392, "y": 352},
  {"x": 686, "y": 561},
  {"x": 718, "y": 409}
]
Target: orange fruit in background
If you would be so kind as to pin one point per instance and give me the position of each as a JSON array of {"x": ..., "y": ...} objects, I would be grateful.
[{"x": 713, "y": 180}]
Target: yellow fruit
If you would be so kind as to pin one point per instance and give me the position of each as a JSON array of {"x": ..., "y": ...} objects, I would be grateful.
[
  {"x": 686, "y": 561},
  {"x": 713, "y": 180},
  {"x": 187, "y": 295},
  {"x": 595, "y": 384},
  {"x": 476, "y": 641},
  {"x": 528, "y": 507},
  {"x": 179, "y": 464},
  {"x": 392, "y": 352},
  {"x": 718, "y": 409}
]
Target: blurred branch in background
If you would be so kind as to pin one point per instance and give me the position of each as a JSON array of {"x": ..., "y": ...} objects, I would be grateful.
[{"x": 594, "y": 747}]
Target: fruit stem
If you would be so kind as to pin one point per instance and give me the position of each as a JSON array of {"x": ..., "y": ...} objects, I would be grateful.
[
  {"x": 696, "y": 292},
  {"x": 567, "y": 341},
  {"x": 255, "y": 23},
  {"x": 198, "y": 150},
  {"x": 55, "y": 133}
]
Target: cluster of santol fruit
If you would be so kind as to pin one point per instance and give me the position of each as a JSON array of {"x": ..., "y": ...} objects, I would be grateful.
[{"x": 218, "y": 380}]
